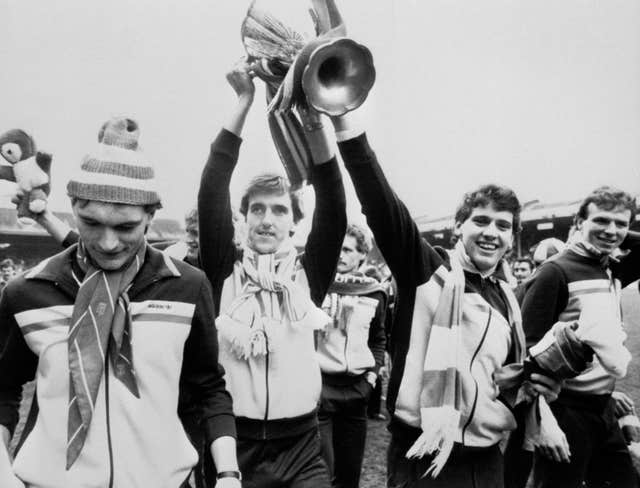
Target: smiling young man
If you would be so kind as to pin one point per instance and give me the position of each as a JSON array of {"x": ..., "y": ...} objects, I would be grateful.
[
  {"x": 268, "y": 296},
  {"x": 584, "y": 281},
  {"x": 350, "y": 352},
  {"x": 456, "y": 324},
  {"x": 112, "y": 331}
]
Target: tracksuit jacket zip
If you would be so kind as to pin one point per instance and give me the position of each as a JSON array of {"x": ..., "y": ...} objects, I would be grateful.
[
  {"x": 283, "y": 392},
  {"x": 475, "y": 397},
  {"x": 35, "y": 311},
  {"x": 420, "y": 271}
]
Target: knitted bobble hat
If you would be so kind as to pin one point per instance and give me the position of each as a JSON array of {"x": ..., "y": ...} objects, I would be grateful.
[{"x": 116, "y": 171}]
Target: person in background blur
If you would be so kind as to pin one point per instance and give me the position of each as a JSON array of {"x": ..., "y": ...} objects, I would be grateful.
[
  {"x": 547, "y": 248},
  {"x": 7, "y": 272},
  {"x": 350, "y": 352},
  {"x": 522, "y": 269}
]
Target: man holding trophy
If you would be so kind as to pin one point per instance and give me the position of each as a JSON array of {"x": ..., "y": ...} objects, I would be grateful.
[{"x": 268, "y": 296}]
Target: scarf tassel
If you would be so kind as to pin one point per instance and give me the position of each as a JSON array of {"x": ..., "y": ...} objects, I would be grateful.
[{"x": 439, "y": 432}]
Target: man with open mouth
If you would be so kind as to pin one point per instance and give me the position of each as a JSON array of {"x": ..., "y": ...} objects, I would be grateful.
[{"x": 457, "y": 323}]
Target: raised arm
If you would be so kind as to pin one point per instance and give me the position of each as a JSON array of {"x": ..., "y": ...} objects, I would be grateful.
[
  {"x": 329, "y": 222},
  {"x": 217, "y": 249},
  {"x": 410, "y": 258},
  {"x": 56, "y": 227}
]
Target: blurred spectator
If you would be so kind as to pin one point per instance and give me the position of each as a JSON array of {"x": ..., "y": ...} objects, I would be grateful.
[
  {"x": 7, "y": 272},
  {"x": 547, "y": 248},
  {"x": 522, "y": 269}
]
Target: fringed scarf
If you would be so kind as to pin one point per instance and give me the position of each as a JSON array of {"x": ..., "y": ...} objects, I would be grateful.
[
  {"x": 440, "y": 399},
  {"x": 266, "y": 295},
  {"x": 101, "y": 331},
  {"x": 339, "y": 303}
]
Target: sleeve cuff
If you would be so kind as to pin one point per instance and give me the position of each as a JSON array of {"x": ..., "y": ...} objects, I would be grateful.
[
  {"x": 70, "y": 239},
  {"x": 356, "y": 150},
  {"x": 218, "y": 426},
  {"x": 329, "y": 171},
  {"x": 345, "y": 135}
]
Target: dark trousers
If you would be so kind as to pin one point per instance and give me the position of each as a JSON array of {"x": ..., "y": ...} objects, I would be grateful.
[
  {"x": 373, "y": 407},
  {"x": 287, "y": 462},
  {"x": 599, "y": 454},
  {"x": 343, "y": 429},
  {"x": 465, "y": 468}
]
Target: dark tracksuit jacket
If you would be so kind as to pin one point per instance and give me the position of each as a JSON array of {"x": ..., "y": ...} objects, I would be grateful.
[
  {"x": 562, "y": 289},
  {"x": 136, "y": 442}
]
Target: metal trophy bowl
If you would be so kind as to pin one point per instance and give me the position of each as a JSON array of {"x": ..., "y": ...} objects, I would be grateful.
[
  {"x": 338, "y": 76},
  {"x": 330, "y": 72}
]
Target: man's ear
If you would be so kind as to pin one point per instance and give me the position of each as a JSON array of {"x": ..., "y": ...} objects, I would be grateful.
[
  {"x": 457, "y": 229},
  {"x": 578, "y": 223}
]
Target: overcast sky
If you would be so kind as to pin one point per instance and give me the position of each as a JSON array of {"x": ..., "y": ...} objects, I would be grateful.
[{"x": 540, "y": 95}]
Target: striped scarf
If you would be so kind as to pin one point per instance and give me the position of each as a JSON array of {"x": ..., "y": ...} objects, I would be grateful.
[
  {"x": 265, "y": 296},
  {"x": 101, "y": 321},
  {"x": 440, "y": 400},
  {"x": 340, "y": 302}
]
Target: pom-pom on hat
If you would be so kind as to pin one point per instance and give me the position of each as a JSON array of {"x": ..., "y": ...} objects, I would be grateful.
[{"x": 116, "y": 171}]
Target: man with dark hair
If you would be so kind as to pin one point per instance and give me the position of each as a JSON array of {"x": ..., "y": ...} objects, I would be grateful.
[
  {"x": 456, "y": 325},
  {"x": 268, "y": 297},
  {"x": 113, "y": 332},
  {"x": 522, "y": 269},
  {"x": 271, "y": 183},
  {"x": 351, "y": 353},
  {"x": 584, "y": 282}
]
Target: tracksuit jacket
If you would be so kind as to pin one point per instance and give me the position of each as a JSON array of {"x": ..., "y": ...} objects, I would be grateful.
[
  {"x": 361, "y": 347},
  {"x": 420, "y": 270},
  {"x": 132, "y": 442},
  {"x": 567, "y": 285},
  {"x": 275, "y": 395}
]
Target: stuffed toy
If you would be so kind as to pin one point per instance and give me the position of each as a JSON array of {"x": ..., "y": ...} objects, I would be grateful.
[{"x": 29, "y": 168}]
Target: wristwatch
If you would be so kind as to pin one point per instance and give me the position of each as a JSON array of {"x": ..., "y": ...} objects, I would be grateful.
[{"x": 229, "y": 474}]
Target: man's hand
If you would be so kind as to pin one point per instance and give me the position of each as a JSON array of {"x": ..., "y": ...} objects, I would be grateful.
[
  {"x": 551, "y": 441},
  {"x": 241, "y": 81},
  {"x": 555, "y": 447},
  {"x": 543, "y": 385},
  {"x": 624, "y": 404}
]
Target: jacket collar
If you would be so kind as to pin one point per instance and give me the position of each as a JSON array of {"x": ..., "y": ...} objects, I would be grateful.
[
  {"x": 57, "y": 269},
  {"x": 499, "y": 272}
]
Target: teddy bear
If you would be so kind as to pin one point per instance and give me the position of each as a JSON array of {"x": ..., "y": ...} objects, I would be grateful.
[{"x": 29, "y": 168}]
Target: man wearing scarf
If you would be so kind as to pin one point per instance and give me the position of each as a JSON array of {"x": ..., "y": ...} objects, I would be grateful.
[
  {"x": 268, "y": 296},
  {"x": 456, "y": 324},
  {"x": 584, "y": 282},
  {"x": 112, "y": 330},
  {"x": 351, "y": 352}
]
